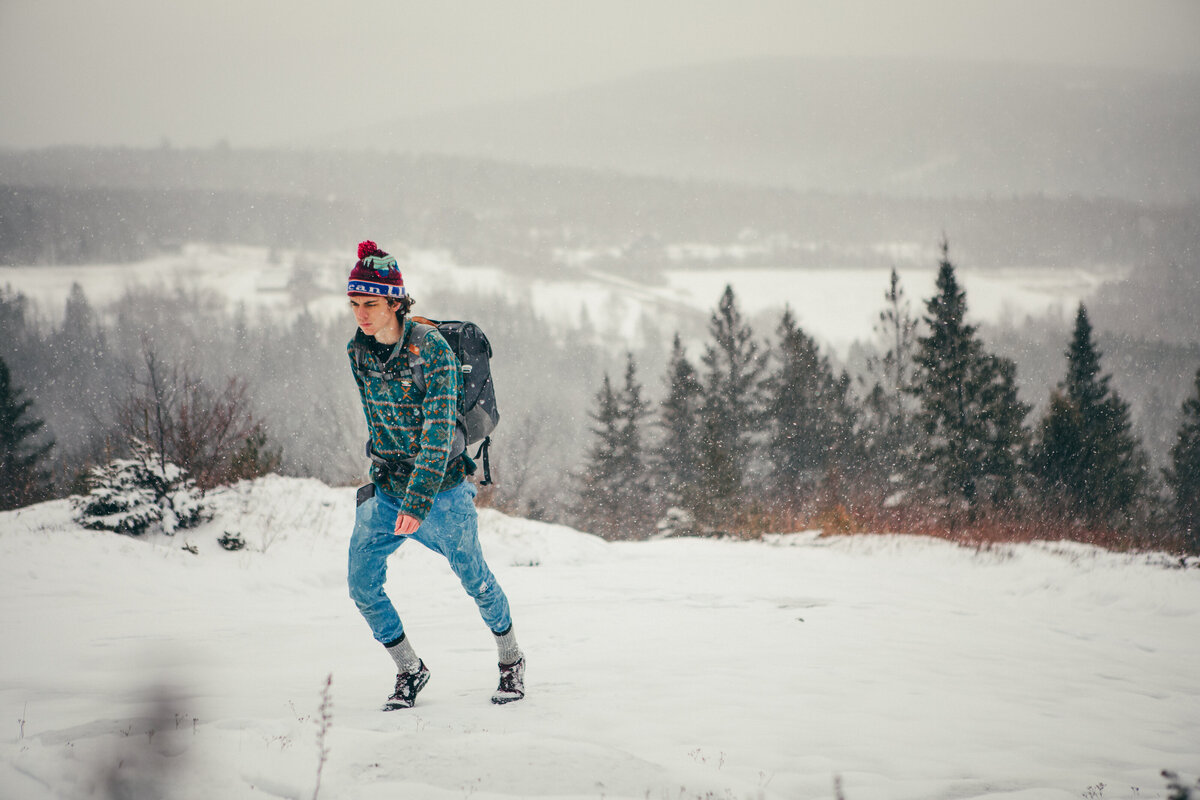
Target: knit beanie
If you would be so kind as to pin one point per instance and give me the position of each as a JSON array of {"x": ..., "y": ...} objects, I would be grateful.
[{"x": 375, "y": 273}]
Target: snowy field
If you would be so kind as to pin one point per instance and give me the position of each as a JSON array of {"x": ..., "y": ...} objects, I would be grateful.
[
  {"x": 837, "y": 306},
  {"x": 901, "y": 667}
]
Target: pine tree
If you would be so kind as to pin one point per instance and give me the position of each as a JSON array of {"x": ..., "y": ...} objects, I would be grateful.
[
  {"x": 615, "y": 494},
  {"x": 633, "y": 487},
  {"x": 969, "y": 413},
  {"x": 254, "y": 458},
  {"x": 1086, "y": 458},
  {"x": 676, "y": 459},
  {"x": 731, "y": 409},
  {"x": 17, "y": 331},
  {"x": 811, "y": 419},
  {"x": 898, "y": 330},
  {"x": 22, "y": 478},
  {"x": 81, "y": 330},
  {"x": 139, "y": 494},
  {"x": 83, "y": 377},
  {"x": 22, "y": 342},
  {"x": 1183, "y": 476},
  {"x": 888, "y": 429},
  {"x": 599, "y": 479}
]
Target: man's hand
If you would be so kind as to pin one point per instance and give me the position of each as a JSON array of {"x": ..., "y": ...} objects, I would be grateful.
[{"x": 406, "y": 525}]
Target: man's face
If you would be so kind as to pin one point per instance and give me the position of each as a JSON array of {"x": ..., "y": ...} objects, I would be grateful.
[{"x": 372, "y": 314}]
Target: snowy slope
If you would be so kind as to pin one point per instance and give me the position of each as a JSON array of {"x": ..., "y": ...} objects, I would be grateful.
[{"x": 903, "y": 667}]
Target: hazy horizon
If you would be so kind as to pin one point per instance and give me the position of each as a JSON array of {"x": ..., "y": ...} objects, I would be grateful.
[{"x": 195, "y": 73}]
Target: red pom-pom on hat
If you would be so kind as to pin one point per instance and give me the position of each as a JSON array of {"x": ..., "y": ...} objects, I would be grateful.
[{"x": 367, "y": 248}]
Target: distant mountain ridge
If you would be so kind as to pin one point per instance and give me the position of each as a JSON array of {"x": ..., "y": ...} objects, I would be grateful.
[{"x": 909, "y": 128}]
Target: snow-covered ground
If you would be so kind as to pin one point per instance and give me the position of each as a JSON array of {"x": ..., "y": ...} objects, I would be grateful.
[
  {"x": 901, "y": 667},
  {"x": 837, "y": 306}
]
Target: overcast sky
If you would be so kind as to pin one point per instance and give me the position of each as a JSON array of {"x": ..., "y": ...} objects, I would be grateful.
[{"x": 194, "y": 72}]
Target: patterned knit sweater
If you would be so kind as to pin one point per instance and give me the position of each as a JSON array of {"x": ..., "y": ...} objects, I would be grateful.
[{"x": 401, "y": 423}]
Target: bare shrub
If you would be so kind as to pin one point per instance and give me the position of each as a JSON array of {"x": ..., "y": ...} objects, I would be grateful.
[{"x": 211, "y": 434}]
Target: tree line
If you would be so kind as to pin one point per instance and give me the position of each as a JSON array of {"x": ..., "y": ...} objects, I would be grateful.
[
  {"x": 753, "y": 435},
  {"x": 172, "y": 371},
  {"x": 762, "y": 436},
  {"x": 228, "y": 392}
]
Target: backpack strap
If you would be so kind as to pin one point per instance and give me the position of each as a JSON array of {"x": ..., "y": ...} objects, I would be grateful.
[
  {"x": 487, "y": 464},
  {"x": 416, "y": 362},
  {"x": 360, "y": 366},
  {"x": 416, "y": 371}
]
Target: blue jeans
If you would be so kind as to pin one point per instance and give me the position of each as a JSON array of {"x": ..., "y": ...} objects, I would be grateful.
[{"x": 451, "y": 529}]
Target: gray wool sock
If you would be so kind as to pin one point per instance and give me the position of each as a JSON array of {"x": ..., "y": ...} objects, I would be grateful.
[
  {"x": 507, "y": 647},
  {"x": 404, "y": 656}
]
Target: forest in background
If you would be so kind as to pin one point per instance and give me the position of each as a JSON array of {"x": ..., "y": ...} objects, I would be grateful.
[
  {"x": 281, "y": 380},
  {"x": 81, "y": 206},
  {"x": 136, "y": 202},
  {"x": 115, "y": 204}
]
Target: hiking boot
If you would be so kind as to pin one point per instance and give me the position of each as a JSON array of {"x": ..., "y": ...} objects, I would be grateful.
[
  {"x": 512, "y": 682},
  {"x": 407, "y": 686}
]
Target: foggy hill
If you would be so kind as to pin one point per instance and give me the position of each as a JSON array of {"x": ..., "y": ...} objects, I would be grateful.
[
  {"x": 75, "y": 205},
  {"x": 880, "y": 126}
]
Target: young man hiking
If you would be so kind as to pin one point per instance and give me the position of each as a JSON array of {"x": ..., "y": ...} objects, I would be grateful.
[{"x": 418, "y": 486}]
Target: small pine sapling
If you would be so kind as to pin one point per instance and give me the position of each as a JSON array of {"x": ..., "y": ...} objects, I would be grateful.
[
  {"x": 232, "y": 541},
  {"x": 133, "y": 495}
]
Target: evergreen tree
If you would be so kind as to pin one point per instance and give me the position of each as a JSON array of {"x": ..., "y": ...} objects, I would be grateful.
[
  {"x": 888, "y": 430},
  {"x": 615, "y": 496},
  {"x": 16, "y": 331},
  {"x": 1183, "y": 476},
  {"x": 21, "y": 342},
  {"x": 969, "y": 413},
  {"x": 22, "y": 478},
  {"x": 138, "y": 494},
  {"x": 897, "y": 328},
  {"x": 811, "y": 418},
  {"x": 600, "y": 479},
  {"x": 731, "y": 409},
  {"x": 633, "y": 487},
  {"x": 1086, "y": 458},
  {"x": 81, "y": 331},
  {"x": 676, "y": 460},
  {"x": 254, "y": 458},
  {"x": 83, "y": 378}
]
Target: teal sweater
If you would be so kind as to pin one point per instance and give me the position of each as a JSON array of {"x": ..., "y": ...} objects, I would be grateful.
[{"x": 401, "y": 424}]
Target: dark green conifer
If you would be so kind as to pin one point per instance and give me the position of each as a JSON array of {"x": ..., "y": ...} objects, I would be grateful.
[
  {"x": 599, "y": 480},
  {"x": 23, "y": 480},
  {"x": 1183, "y": 476},
  {"x": 1086, "y": 460},
  {"x": 811, "y": 419},
  {"x": 970, "y": 418},
  {"x": 615, "y": 498},
  {"x": 676, "y": 459},
  {"x": 633, "y": 487},
  {"x": 731, "y": 410}
]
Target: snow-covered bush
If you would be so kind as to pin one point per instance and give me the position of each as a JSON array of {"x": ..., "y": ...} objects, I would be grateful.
[
  {"x": 135, "y": 495},
  {"x": 232, "y": 541},
  {"x": 677, "y": 522}
]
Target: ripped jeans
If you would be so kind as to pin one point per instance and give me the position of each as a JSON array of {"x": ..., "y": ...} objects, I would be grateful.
[{"x": 451, "y": 529}]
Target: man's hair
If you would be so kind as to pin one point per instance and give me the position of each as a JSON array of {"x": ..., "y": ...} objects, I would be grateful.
[{"x": 402, "y": 304}]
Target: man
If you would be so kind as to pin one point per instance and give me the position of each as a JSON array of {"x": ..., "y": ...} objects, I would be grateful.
[{"x": 418, "y": 486}]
